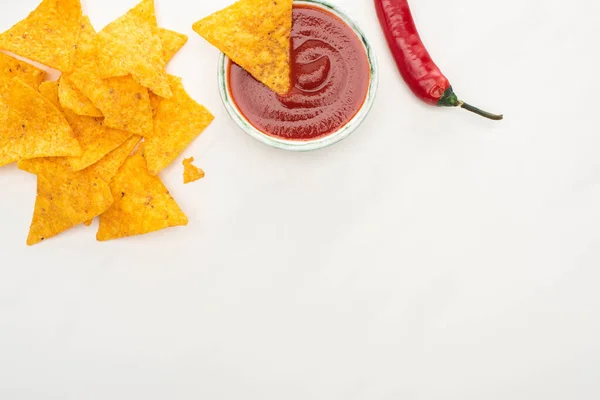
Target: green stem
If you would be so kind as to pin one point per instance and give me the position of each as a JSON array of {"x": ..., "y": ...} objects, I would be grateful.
[
  {"x": 449, "y": 99},
  {"x": 477, "y": 111}
]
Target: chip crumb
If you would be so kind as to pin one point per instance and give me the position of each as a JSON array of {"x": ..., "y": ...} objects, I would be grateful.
[{"x": 191, "y": 173}]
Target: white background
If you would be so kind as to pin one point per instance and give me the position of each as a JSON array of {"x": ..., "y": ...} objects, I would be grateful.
[{"x": 432, "y": 255}]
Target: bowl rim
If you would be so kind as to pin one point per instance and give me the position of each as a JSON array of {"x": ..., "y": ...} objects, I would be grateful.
[{"x": 306, "y": 145}]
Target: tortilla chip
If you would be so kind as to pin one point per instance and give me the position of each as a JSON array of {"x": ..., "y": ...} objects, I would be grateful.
[
  {"x": 178, "y": 121},
  {"x": 34, "y": 127},
  {"x": 131, "y": 45},
  {"x": 70, "y": 97},
  {"x": 64, "y": 199},
  {"x": 142, "y": 204},
  {"x": 172, "y": 42},
  {"x": 86, "y": 48},
  {"x": 191, "y": 173},
  {"x": 255, "y": 34},
  {"x": 11, "y": 67},
  {"x": 123, "y": 102},
  {"x": 49, "y": 90},
  {"x": 107, "y": 168},
  {"x": 96, "y": 140},
  {"x": 48, "y": 35}
]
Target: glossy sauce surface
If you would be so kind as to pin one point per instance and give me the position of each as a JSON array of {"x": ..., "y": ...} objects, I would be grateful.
[{"x": 330, "y": 75}]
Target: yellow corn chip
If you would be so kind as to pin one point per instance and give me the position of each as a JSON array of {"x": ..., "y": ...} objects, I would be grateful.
[
  {"x": 142, "y": 204},
  {"x": 70, "y": 97},
  {"x": 96, "y": 140},
  {"x": 172, "y": 42},
  {"x": 124, "y": 103},
  {"x": 191, "y": 173},
  {"x": 131, "y": 45},
  {"x": 107, "y": 168},
  {"x": 86, "y": 47},
  {"x": 154, "y": 103},
  {"x": 64, "y": 199},
  {"x": 48, "y": 35},
  {"x": 49, "y": 90},
  {"x": 255, "y": 34},
  {"x": 178, "y": 121},
  {"x": 11, "y": 67},
  {"x": 34, "y": 127}
]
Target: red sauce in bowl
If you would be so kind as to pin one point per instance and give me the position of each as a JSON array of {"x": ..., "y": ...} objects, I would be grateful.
[{"x": 330, "y": 75}]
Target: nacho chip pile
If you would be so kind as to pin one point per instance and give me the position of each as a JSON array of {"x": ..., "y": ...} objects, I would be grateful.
[{"x": 79, "y": 134}]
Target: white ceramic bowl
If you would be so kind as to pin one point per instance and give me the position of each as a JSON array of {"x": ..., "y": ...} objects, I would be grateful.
[{"x": 305, "y": 145}]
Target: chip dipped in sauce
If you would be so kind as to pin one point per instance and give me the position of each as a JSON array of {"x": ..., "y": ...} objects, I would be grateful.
[{"x": 330, "y": 81}]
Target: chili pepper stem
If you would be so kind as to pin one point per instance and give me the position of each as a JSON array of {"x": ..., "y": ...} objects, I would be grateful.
[
  {"x": 477, "y": 111},
  {"x": 449, "y": 99}
]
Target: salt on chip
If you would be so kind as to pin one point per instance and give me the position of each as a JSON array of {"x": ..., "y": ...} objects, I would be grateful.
[
  {"x": 34, "y": 127},
  {"x": 11, "y": 67},
  {"x": 255, "y": 34},
  {"x": 124, "y": 103},
  {"x": 48, "y": 35},
  {"x": 178, "y": 121},
  {"x": 191, "y": 173},
  {"x": 64, "y": 198},
  {"x": 95, "y": 139},
  {"x": 142, "y": 204},
  {"x": 131, "y": 45},
  {"x": 172, "y": 42}
]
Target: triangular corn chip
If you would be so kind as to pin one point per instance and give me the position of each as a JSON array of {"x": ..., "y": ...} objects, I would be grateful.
[
  {"x": 34, "y": 127},
  {"x": 191, "y": 173},
  {"x": 172, "y": 42},
  {"x": 124, "y": 103},
  {"x": 86, "y": 48},
  {"x": 178, "y": 121},
  {"x": 11, "y": 67},
  {"x": 131, "y": 45},
  {"x": 70, "y": 97},
  {"x": 64, "y": 198},
  {"x": 255, "y": 34},
  {"x": 105, "y": 169},
  {"x": 48, "y": 35},
  {"x": 142, "y": 204},
  {"x": 108, "y": 166},
  {"x": 96, "y": 140}
]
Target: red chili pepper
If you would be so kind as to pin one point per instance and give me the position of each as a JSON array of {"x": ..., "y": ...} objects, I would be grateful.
[{"x": 414, "y": 62}]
